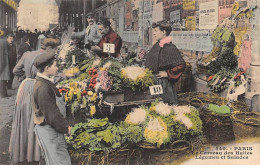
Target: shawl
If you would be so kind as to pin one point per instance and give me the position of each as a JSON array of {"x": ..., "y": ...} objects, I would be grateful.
[{"x": 163, "y": 58}]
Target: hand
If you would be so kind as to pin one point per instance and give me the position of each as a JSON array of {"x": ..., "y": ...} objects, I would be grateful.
[
  {"x": 69, "y": 130},
  {"x": 95, "y": 48},
  {"x": 162, "y": 74}
]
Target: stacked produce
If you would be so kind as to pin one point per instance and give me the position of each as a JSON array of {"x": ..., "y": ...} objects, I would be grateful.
[
  {"x": 137, "y": 78},
  {"x": 160, "y": 125},
  {"x": 222, "y": 62},
  {"x": 91, "y": 77}
]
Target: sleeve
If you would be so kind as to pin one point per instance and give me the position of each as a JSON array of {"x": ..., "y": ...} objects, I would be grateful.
[
  {"x": 47, "y": 105},
  {"x": 18, "y": 69},
  {"x": 59, "y": 77},
  {"x": 94, "y": 36},
  {"x": 79, "y": 35},
  {"x": 175, "y": 72}
]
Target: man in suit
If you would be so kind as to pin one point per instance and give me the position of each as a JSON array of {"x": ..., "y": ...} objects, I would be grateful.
[
  {"x": 12, "y": 58},
  {"x": 90, "y": 34}
]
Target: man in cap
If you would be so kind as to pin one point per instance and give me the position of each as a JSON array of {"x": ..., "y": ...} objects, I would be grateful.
[
  {"x": 12, "y": 58},
  {"x": 50, "y": 112},
  {"x": 90, "y": 34},
  {"x": 108, "y": 36}
]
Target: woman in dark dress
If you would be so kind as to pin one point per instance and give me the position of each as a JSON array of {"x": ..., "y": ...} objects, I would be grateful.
[{"x": 165, "y": 61}]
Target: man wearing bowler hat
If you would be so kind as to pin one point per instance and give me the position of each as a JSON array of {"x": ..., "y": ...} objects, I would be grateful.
[{"x": 90, "y": 34}]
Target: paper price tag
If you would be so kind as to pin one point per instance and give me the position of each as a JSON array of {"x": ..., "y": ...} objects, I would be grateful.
[
  {"x": 156, "y": 89},
  {"x": 109, "y": 48}
]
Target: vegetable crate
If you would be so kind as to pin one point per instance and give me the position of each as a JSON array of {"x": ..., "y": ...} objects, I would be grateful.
[{"x": 246, "y": 124}]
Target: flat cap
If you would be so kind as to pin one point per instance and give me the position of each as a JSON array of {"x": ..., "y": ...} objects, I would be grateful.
[
  {"x": 44, "y": 58},
  {"x": 90, "y": 14}
]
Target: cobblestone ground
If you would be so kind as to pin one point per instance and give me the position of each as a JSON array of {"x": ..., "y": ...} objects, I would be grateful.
[{"x": 7, "y": 106}]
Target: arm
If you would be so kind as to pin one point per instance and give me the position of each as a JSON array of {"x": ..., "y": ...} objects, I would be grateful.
[
  {"x": 47, "y": 105},
  {"x": 175, "y": 72},
  {"x": 79, "y": 35},
  {"x": 93, "y": 36},
  {"x": 18, "y": 69}
]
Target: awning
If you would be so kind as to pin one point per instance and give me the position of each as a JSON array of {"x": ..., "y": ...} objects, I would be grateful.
[{"x": 11, "y": 3}]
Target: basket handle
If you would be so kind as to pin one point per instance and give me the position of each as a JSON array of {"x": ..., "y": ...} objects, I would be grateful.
[
  {"x": 187, "y": 144},
  {"x": 198, "y": 100},
  {"x": 252, "y": 121}
]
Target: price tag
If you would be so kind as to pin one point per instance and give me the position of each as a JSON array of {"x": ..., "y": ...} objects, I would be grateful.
[
  {"x": 109, "y": 48},
  {"x": 156, "y": 89},
  {"x": 73, "y": 59}
]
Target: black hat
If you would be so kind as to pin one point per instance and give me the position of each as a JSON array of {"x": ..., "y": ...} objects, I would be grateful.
[
  {"x": 43, "y": 58},
  {"x": 90, "y": 14},
  {"x": 164, "y": 24},
  {"x": 104, "y": 21}
]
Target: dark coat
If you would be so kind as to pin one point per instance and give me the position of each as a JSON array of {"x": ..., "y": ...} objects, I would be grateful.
[
  {"x": 23, "y": 48},
  {"x": 4, "y": 61},
  {"x": 44, "y": 105},
  {"x": 12, "y": 56}
]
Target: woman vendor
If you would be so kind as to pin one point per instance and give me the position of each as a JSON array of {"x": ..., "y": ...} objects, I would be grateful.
[
  {"x": 50, "y": 112},
  {"x": 165, "y": 61}
]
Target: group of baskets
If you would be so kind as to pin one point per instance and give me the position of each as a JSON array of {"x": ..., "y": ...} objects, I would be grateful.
[
  {"x": 217, "y": 129},
  {"x": 222, "y": 128}
]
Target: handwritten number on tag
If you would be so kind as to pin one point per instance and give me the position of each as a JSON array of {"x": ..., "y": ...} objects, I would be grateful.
[{"x": 156, "y": 90}]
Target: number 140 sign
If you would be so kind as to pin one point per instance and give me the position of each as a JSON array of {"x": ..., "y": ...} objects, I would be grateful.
[{"x": 109, "y": 48}]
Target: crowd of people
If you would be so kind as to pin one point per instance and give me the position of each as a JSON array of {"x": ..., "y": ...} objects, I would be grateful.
[{"x": 39, "y": 119}]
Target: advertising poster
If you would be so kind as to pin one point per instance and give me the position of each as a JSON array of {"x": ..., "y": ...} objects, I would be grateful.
[
  {"x": 188, "y": 4},
  {"x": 208, "y": 15},
  {"x": 224, "y": 12},
  {"x": 120, "y": 91},
  {"x": 157, "y": 12},
  {"x": 190, "y": 23},
  {"x": 175, "y": 16}
]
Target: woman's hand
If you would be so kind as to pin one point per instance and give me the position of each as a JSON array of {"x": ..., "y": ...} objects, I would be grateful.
[{"x": 162, "y": 74}]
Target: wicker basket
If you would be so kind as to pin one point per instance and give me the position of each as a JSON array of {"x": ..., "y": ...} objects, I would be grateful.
[
  {"x": 246, "y": 124},
  {"x": 165, "y": 155},
  {"x": 218, "y": 128},
  {"x": 116, "y": 157},
  {"x": 199, "y": 99},
  {"x": 184, "y": 82}
]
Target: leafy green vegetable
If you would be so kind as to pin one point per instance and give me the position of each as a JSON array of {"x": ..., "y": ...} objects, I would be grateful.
[{"x": 219, "y": 109}]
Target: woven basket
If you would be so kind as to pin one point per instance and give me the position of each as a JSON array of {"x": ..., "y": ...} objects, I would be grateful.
[
  {"x": 198, "y": 99},
  {"x": 154, "y": 156},
  {"x": 116, "y": 157},
  {"x": 218, "y": 128},
  {"x": 246, "y": 124}
]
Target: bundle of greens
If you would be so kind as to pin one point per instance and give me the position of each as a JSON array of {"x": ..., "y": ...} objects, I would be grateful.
[{"x": 137, "y": 78}]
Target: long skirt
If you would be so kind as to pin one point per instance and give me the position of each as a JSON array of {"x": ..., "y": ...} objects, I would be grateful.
[
  {"x": 169, "y": 92},
  {"x": 53, "y": 144},
  {"x": 23, "y": 144}
]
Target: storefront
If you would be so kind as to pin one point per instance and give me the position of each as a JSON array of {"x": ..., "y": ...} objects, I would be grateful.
[{"x": 8, "y": 14}]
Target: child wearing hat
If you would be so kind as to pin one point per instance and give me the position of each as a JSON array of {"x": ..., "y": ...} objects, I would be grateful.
[{"x": 50, "y": 112}]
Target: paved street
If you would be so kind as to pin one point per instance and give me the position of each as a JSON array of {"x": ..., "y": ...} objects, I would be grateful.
[{"x": 6, "y": 114}]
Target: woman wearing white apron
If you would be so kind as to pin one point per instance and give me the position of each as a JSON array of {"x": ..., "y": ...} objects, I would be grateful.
[{"x": 49, "y": 112}]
